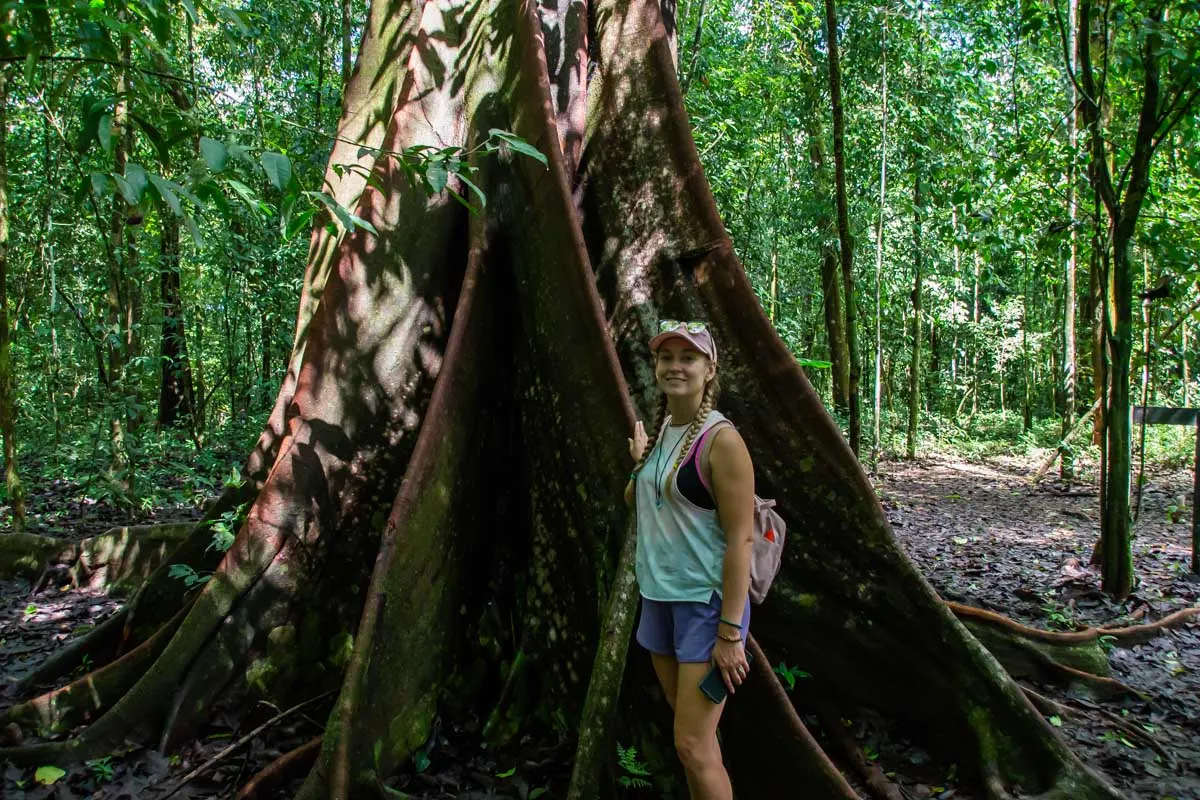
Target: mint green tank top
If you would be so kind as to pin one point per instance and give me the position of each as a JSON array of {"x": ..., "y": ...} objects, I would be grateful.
[{"x": 680, "y": 546}]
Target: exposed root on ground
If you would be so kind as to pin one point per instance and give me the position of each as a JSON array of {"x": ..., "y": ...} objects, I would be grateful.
[
  {"x": 1123, "y": 636},
  {"x": 872, "y": 776},
  {"x": 78, "y": 702},
  {"x": 280, "y": 771},
  {"x": 1078, "y": 709},
  {"x": 117, "y": 559}
]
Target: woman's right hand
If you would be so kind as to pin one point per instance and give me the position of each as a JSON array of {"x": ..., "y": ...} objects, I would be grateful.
[{"x": 637, "y": 445}]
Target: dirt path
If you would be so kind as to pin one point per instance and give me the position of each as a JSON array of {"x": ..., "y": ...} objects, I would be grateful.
[{"x": 983, "y": 535}]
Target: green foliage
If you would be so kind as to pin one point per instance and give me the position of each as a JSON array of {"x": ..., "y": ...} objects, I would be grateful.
[
  {"x": 790, "y": 674},
  {"x": 636, "y": 773},
  {"x": 101, "y": 769},
  {"x": 48, "y": 775},
  {"x": 188, "y": 575}
]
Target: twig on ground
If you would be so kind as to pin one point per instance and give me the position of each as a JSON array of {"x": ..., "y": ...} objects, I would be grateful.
[
  {"x": 207, "y": 765},
  {"x": 1047, "y": 705}
]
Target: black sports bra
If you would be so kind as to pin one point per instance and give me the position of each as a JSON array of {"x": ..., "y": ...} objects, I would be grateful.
[{"x": 688, "y": 481}]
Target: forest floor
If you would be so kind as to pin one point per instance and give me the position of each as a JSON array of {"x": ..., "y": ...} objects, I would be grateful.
[
  {"x": 983, "y": 535},
  {"x": 980, "y": 532}
]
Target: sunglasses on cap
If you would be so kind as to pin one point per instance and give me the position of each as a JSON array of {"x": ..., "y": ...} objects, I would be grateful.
[{"x": 667, "y": 325}]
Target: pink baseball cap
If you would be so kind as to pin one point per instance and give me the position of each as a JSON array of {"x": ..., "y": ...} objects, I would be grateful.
[{"x": 694, "y": 333}]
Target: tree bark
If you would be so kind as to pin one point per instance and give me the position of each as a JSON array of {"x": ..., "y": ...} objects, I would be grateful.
[
  {"x": 831, "y": 286},
  {"x": 15, "y": 491},
  {"x": 1068, "y": 379},
  {"x": 876, "y": 437},
  {"x": 845, "y": 240},
  {"x": 516, "y": 336},
  {"x": 914, "y": 368},
  {"x": 176, "y": 398}
]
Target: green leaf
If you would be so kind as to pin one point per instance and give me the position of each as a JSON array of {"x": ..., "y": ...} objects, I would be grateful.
[
  {"x": 127, "y": 192},
  {"x": 163, "y": 187},
  {"x": 278, "y": 168},
  {"x": 161, "y": 147},
  {"x": 1056, "y": 721},
  {"x": 813, "y": 363},
  {"x": 215, "y": 154},
  {"x": 519, "y": 145},
  {"x": 298, "y": 222},
  {"x": 421, "y": 761},
  {"x": 136, "y": 177},
  {"x": 475, "y": 190},
  {"x": 536, "y": 793},
  {"x": 105, "y": 134},
  {"x": 359, "y": 222},
  {"x": 343, "y": 216},
  {"x": 248, "y": 195},
  {"x": 101, "y": 185},
  {"x": 194, "y": 230},
  {"x": 49, "y": 775},
  {"x": 508, "y": 773},
  {"x": 436, "y": 175},
  {"x": 190, "y": 8}
]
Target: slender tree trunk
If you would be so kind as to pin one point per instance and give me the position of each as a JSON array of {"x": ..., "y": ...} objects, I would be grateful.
[
  {"x": 1067, "y": 464},
  {"x": 122, "y": 253},
  {"x": 1026, "y": 358},
  {"x": 322, "y": 35},
  {"x": 177, "y": 398},
  {"x": 16, "y": 493},
  {"x": 831, "y": 286},
  {"x": 347, "y": 35},
  {"x": 1184, "y": 364},
  {"x": 46, "y": 256},
  {"x": 876, "y": 433},
  {"x": 976, "y": 320},
  {"x": 845, "y": 240},
  {"x": 914, "y": 369}
]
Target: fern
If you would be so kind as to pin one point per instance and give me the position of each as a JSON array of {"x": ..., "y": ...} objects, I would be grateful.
[{"x": 637, "y": 770}]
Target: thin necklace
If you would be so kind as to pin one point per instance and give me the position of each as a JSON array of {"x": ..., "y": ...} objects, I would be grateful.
[{"x": 660, "y": 466}]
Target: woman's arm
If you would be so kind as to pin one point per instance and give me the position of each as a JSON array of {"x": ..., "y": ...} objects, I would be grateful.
[
  {"x": 637, "y": 446},
  {"x": 733, "y": 490}
]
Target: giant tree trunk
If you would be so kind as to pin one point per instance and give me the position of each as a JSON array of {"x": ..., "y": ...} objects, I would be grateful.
[{"x": 515, "y": 337}]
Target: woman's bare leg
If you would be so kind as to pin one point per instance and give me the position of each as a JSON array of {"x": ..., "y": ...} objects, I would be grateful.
[
  {"x": 667, "y": 670},
  {"x": 696, "y": 719}
]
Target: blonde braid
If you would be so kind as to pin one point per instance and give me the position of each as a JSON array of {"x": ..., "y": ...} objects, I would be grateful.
[
  {"x": 706, "y": 407},
  {"x": 659, "y": 417}
]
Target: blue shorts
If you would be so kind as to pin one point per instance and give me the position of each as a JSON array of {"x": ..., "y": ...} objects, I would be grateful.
[{"x": 686, "y": 631}]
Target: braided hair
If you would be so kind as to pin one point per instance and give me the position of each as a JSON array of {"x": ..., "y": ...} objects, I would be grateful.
[
  {"x": 659, "y": 417},
  {"x": 697, "y": 423},
  {"x": 706, "y": 407}
]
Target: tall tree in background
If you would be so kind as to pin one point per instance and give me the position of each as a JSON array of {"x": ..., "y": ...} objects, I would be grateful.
[
  {"x": 845, "y": 240},
  {"x": 16, "y": 493},
  {"x": 1163, "y": 55}
]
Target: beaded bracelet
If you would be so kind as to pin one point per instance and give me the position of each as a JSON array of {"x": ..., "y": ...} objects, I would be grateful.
[{"x": 729, "y": 638}]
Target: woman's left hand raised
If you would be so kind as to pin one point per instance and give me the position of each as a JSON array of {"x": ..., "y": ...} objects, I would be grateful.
[{"x": 730, "y": 658}]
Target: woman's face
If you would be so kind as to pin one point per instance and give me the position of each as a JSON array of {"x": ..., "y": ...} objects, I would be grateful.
[{"x": 681, "y": 370}]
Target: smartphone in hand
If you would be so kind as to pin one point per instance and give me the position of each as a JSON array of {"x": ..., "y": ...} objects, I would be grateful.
[{"x": 713, "y": 684}]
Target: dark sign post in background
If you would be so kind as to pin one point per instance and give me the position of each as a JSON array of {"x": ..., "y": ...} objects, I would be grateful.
[{"x": 1157, "y": 415}]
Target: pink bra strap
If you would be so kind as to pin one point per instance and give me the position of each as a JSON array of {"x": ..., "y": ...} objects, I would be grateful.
[{"x": 700, "y": 447}]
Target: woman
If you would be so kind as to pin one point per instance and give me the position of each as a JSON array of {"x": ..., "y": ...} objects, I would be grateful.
[{"x": 694, "y": 514}]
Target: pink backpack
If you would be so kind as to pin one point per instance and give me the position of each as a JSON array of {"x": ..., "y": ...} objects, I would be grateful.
[{"x": 769, "y": 531}]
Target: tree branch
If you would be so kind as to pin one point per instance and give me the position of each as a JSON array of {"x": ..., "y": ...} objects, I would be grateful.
[{"x": 101, "y": 61}]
